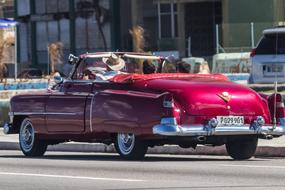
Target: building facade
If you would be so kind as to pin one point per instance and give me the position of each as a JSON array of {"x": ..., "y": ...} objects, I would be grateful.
[
  {"x": 7, "y": 9},
  {"x": 189, "y": 27},
  {"x": 204, "y": 27},
  {"x": 80, "y": 25}
]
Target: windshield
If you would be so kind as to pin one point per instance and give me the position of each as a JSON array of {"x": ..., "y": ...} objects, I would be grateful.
[{"x": 92, "y": 68}]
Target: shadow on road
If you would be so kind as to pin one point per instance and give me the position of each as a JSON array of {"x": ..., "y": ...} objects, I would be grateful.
[
  {"x": 115, "y": 157},
  {"x": 208, "y": 187}
]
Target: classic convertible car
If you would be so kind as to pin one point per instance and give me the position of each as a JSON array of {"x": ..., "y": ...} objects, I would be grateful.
[{"x": 135, "y": 110}]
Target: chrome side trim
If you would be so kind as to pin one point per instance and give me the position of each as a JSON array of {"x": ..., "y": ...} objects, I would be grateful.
[
  {"x": 43, "y": 113},
  {"x": 86, "y": 81},
  {"x": 205, "y": 130},
  {"x": 77, "y": 93},
  {"x": 60, "y": 113},
  {"x": 91, "y": 111}
]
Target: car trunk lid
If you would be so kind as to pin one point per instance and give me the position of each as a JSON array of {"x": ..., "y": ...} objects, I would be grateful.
[{"x": 204, "y": 96}]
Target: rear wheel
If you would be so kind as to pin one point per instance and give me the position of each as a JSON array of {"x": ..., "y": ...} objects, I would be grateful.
[
  {"x": 242, "y": 148},
  {"x": 130, "y": 147},
  {"x": 29, "y": 143}
]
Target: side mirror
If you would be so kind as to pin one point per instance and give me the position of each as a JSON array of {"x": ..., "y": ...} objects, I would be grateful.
[{"x": 72, "y": 59}]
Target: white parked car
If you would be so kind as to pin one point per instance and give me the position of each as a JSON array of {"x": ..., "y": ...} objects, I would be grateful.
[
  {"x": 231, "y": 63},
  {"x": 268, "y": 58}
]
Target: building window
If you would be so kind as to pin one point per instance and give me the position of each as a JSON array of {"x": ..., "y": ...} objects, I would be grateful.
[
  {"x": 167, "y": 20},
  {"x": 8, "y": 11}
]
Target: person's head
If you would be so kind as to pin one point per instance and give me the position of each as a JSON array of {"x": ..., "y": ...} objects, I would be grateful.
[
  {"x": 114, "y": 62},
  {"x": 148, "y": 67},
  {"x": 204, "y": 68},
  {"x": 88, "y": 75},
  {"x": 183, "y": 67}
]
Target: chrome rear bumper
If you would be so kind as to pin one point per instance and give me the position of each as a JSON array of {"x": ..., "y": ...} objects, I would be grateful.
[{"x": 205, "y": 130}]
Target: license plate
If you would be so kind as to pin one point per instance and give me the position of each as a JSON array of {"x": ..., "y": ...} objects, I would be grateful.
[{"x": 230, "y": 120}]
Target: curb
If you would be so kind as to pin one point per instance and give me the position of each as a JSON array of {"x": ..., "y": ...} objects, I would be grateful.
[{"x": 262, "y": 151}]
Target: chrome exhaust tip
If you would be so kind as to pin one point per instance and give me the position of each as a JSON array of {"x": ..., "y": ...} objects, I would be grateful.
[{"x": 268, "y": 137}]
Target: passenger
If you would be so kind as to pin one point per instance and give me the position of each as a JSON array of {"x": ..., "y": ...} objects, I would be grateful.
[
  {"x": 53, "y": 81},
  {"x": 204, "y": 68},
  {"x": 169, "y": 65},
  {"x": 114, "y": 65},
  {"x": 148, "y": 68},
  {"x": 183, "y": 67},
  {"x": 88, "y": 75}
]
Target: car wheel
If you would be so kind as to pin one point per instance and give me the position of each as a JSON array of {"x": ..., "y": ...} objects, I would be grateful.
[
  {"x": 242, "y": 148},
  {"x": 130, "y": 147},
  {"x": 29, "y": 143}
]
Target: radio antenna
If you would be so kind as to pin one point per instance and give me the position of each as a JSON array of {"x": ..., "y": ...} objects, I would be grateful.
[{"x": 275, "y": 83}]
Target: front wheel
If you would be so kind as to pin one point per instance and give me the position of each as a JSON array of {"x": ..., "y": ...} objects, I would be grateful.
[
  {"x": 29, "y": 143},
  {"x": 130, "y": 147},
  {"x": 242, "y": 148}
]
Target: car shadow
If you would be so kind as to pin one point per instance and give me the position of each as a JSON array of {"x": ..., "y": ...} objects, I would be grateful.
[
  {"x": 206, "y": 187},
  {"x": 115, "y": 157}
]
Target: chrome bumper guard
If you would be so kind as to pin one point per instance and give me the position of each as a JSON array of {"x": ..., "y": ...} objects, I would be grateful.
[
  {"x": 7, "y": 128},
  {"x": 168, "y": 129}
]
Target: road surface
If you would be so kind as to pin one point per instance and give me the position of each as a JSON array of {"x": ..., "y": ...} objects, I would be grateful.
[{"x": 82, "y": 171}]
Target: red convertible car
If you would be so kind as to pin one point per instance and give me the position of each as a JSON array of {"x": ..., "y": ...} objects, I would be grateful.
[{"x": 128, "y": 99}]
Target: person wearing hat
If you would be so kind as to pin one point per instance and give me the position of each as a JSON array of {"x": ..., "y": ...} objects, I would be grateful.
[
  {"x": 114, "y": 62},
  {"x": 114, "y": 65}
]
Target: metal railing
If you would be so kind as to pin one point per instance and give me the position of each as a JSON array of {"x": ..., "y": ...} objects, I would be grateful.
[{"x": 239, "y": 37}]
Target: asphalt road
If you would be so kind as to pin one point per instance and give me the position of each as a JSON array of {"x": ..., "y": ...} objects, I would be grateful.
[{"x": 82, "y": 171}]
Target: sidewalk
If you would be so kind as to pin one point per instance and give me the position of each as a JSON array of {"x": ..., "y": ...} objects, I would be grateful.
[{"x": 266, "y": 148}]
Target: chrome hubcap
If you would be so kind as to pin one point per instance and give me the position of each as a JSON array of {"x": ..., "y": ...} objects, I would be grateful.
[
  {"x": 126, "y": 142},
  {"x": 27, "y": 136}
]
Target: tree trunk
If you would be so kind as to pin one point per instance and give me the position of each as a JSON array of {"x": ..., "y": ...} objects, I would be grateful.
[{"x": 98, "y": 15}]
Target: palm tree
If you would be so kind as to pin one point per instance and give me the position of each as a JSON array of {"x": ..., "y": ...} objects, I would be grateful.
[
  {"x": 5, "y": 43},
  {"x": 55, "y": 54},
  {"x": 99, "y": 16},
  {"x": 137, "y": 33}
]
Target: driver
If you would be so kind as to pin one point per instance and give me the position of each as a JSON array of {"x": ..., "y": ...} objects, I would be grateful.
[
  {"x": 88, "y": 75},
  {"x": 114, "y": 65}
]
